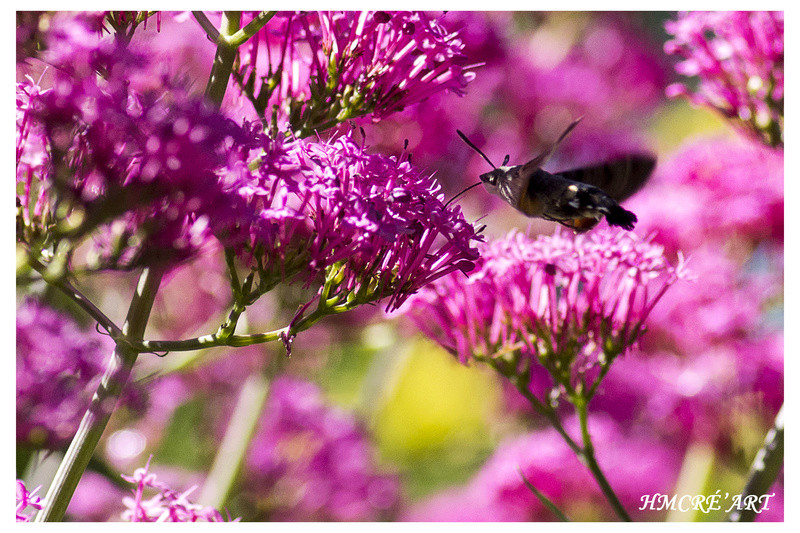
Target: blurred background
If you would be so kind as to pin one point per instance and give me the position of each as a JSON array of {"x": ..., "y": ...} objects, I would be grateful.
[{"x": 703, "y": 388}]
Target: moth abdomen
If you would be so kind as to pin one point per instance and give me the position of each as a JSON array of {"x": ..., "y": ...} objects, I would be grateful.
[{"x": 618, "y": 216}]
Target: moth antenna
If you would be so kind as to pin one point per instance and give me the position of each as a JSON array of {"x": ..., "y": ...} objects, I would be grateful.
[
  {"x": 462, "y": 192},
  {"x": 505, "y": 161},
  {"x": 469, "y": 143}
]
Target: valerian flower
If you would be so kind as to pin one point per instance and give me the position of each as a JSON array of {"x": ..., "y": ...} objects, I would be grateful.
[
  {"x": 310, "y": 461},
  {"x": 560, "y": 306},
  {"x": 25, "y": 499},
  {"x": 330, "y": 66},
  {"x": 127, "y": 154},
  {"x": 720, "y": 190},
  {"x": 374, "y": 222},
  {"x": 166, "y": 505},
  {"x": 738, "y": 58},
  {"x": 58, "y": 366}
]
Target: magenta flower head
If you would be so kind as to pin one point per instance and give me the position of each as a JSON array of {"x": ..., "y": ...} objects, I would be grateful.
[
  {"x": 329, "y": 66},
  {"x": 561, "y": 306},
  {"x": 638, "y": 465},
  {"x": 166, "y": 505},
  {"x": 738, "y": 58},
  {"x": 372, "y": 224},
  {"x": 114, "y": 150}
]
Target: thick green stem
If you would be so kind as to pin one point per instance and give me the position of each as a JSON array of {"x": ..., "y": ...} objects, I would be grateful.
[
  {"x": 223, "y": 60},
  {"x": 588, "y": 458},
  {"x": 103, "y": 402}
]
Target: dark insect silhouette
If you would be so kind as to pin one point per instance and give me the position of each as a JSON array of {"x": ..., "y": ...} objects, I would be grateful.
[{"x": 577, "y": 198}]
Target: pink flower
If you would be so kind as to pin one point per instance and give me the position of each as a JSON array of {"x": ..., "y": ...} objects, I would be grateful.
[
  {"x": 324, "y": 205},
  {"x": 558, "y": 302},
  {"x": 58, "y": 367},
  {"x": 166, "y": 505},
  {"x": 637, "y": 465},
  {"x": 738, "y": 57},
  {"x": 714, "y": 191},
  {"x": 312, "y": 462},
  {"x": 26, "y": 499},
  {"x": 329, "y": 66}
]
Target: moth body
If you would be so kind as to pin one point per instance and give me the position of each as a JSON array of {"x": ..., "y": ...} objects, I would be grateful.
[{"x": 577, "y": 198}]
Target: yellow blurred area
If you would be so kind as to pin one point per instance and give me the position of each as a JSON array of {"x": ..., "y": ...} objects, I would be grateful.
[
  {"x": 436, "y": 403},
  {"x": 677, "y": 122}
]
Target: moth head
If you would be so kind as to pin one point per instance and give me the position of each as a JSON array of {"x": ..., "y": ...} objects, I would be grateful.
[{"x": 492, "y": 179}]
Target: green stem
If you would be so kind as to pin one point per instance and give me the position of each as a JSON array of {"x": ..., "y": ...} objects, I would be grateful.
[
  {"x": 223, "y": 60},
  {"x": 240, "y": 37},
  {"x": 220, "y": 338},
  {"x": 587, "y": 457},
  {"x": 82, "y": 301},
  {"x": 207, "y": 25},
  {"x": 103, "y": 402},
  {"x": 547, "y": 412},
  {"x": 766, "y": 466},
  {"x": 230, "y": 455},
  {"x": 542, "y": 498}
]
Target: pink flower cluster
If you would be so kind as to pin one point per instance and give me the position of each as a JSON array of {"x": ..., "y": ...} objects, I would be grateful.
[
  {"x": 25, "y": 499},
  {"x": 563, "y": 302},
  {"x": 329, "y": 66},
  {"x": 738, "y": 58},
  {"x": 58, "y": 364},
  {"x": 166, "y": 505},
  {"x": 320, "y": 204}
]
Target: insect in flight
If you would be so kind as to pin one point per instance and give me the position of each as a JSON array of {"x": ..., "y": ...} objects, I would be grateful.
[{"x": 577, "y": 198}]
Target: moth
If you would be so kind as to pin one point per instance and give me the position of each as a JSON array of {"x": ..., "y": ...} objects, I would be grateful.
[{"x": 578, "y": 198}]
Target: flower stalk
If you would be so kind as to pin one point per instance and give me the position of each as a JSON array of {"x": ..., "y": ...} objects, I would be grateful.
[{"x": 103, "y": 402}]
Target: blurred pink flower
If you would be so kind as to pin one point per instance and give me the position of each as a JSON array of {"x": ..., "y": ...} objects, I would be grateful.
[
  {"x": 714, "y": 191},
  {"x": 145, "y": 167},
  {"x": 312, "y": 462},
  {"x": 636, "y": 464},
  {"x": 58, "y": 367}
]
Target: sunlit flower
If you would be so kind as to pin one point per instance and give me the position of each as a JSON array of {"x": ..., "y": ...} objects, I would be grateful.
[
  {"x": 562, "y": 304},
  {"x": 330, "y": 66},
  {"x": 323, "y": 204},
  {"x": 738, "y": 58}
]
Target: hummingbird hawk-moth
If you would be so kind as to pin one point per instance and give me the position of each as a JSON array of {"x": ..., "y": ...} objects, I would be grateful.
[{"x": 577, "y": 198}]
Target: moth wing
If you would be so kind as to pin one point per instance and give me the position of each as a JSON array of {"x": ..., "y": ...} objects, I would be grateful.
[
  {"x": 620, "y": 178},
  {"x": 542, "y": 158}
]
